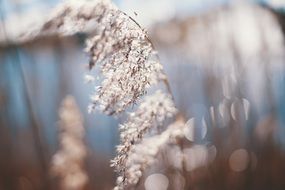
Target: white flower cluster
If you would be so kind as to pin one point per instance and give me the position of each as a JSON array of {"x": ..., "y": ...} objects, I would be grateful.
[
  {"x": 67, "y": 163},
  {"x": 150, "y": 114},
  {"x": 128, "y": 63},
  {"x": 144, "y": 154}
]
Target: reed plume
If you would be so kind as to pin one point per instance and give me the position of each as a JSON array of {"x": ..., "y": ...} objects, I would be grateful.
[
  {"x": 68, "y": 161},
  {"x": 118, "y": 44},
  {"x": 151, "y": 114},
  {"x": 142, "y": 155},
  {"x": 128, "y": 66}
]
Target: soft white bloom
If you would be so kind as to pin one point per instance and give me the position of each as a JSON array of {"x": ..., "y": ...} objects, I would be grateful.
[
  {"x": 128, "y": 63},
  {"x": 120, "y": 47},
  {"x": 128, "y": 66},
  {"x": 142, "y": 155},
  {"x": 67, "y": 163},
  {"x": 151, "y": 113}
]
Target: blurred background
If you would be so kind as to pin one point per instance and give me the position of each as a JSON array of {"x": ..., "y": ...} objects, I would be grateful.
[{"x": 225, "y": 62}]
